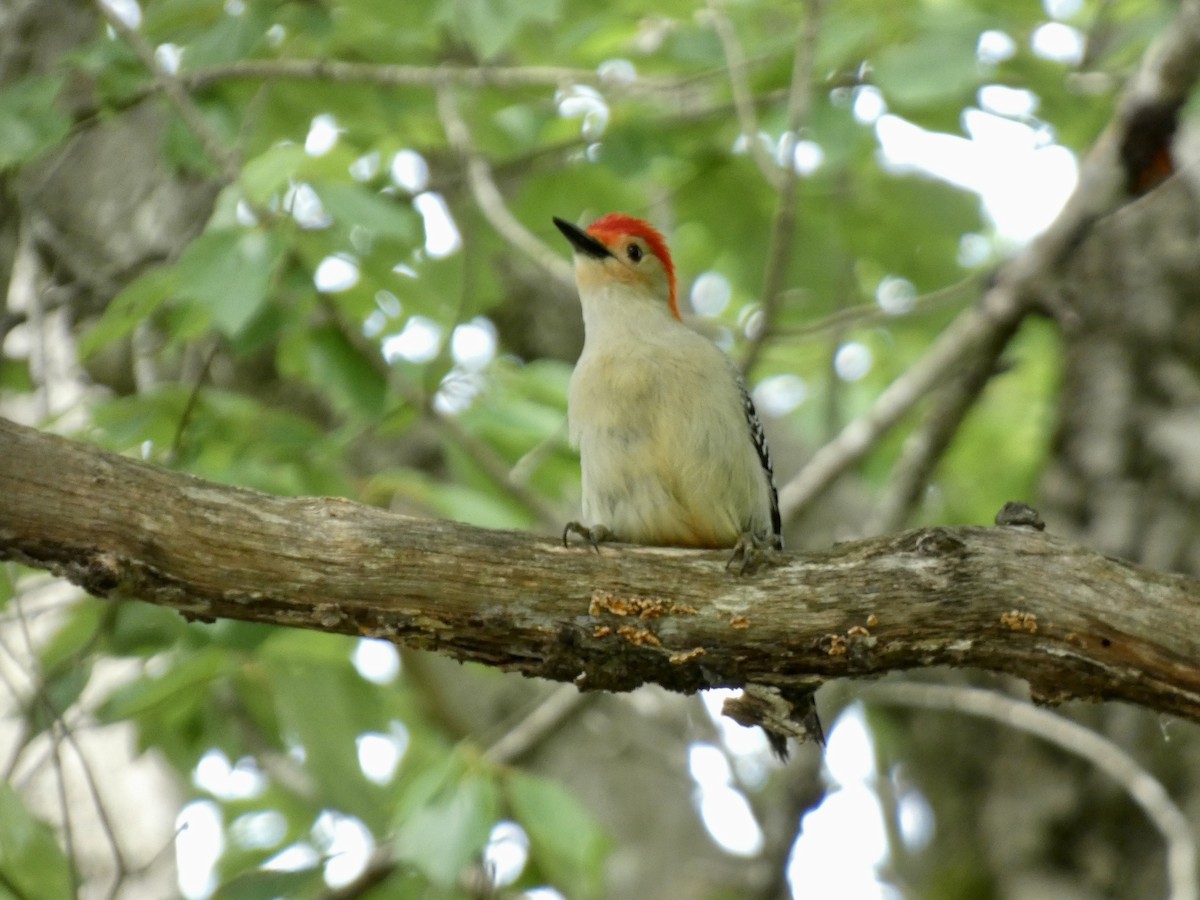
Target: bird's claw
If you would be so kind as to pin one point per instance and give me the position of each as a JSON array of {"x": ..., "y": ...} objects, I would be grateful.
[
  {"x": 593, "y": 535},
  {"x": 751, "y": 549}
]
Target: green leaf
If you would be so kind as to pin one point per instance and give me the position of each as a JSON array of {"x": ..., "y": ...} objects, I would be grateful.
[
  {"x": 185, "y": 153},
  {"x": 124, "y": 422},
  {"x": 58, "y": 691},
  {"x": 183, "y": 685},
  {"x": 31, "y": 862},
  {"x": 478, "y": 505},
  {"x": 266, "y": 885},
  {"x": 566, "y": 840},
  {"x": 326, "y": 359},
  {"x": 78, "y": 632},
  {"x": 939, "y": 66},
  {"x": 449, "y": 828},
  {"x": 230, "y": 38},
  {"x": 271, "y": 171},
  {"x": 133, "y": 305},
  {"x": 1016, "y": 412},
  {"x": 324, "y": 705},
  {"x": 845, "y": 36},
  {"x": 30, "y": 120},
  {"x": 112, "y": 68},
  {"x": 385, "y": 29},
  {"x": 353, "y": 204},
  {"x": 884, "y": 208},
  {"x": 491, "y": 25},
  {"x": 166, "y": 20},
  {"x": 8, "y": 577},
  {"x": 140, "y": 629},
  {"x": 183, "y": 712},
  {"x": 15, "y": 376},
  {"x": 287, "y": 648},
  {"x": 228, "y": 272}
]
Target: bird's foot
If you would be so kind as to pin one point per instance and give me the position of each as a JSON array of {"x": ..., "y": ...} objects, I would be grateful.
[
  {"x": 594, "y": 535},
  {"x": 750, "y": 551}
]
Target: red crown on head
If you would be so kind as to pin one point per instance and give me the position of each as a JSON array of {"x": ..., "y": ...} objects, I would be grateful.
[{"x": 610, "y": 227}]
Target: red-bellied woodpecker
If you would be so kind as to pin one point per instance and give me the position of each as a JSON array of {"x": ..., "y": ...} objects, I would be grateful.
[{"x": 672, "y": 450}]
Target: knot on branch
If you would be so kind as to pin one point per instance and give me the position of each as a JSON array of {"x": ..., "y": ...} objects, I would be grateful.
[
  {"x": 938, "y": 542},
  {"x": 1020, "y": 515},
  {"x": 99, "y": 574},
  {"x": 781, "y": 715}
]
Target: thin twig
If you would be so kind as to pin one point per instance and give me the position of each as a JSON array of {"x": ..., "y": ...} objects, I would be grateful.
[
  {"x": 507, "y": 77},
  {"x": 548, "y": 715},
  {"x": 784, "y": 223},
  {"x": 488, "y": 197},
  {"x": 867, "y": 313},
  {"x": 743, "y": 100},
  {"x": 190, "y": 406},
  {"x": 106, "y": 823},
  {"x": 686, "y": 96},
  {"x": 1143, "y": 788},
  {"x": 1097, "y": 39},
  {"x": 61, "y": 730},
  {"x": 176, "y": 94},
  {"x": 22, "y": 738},
  {"x": 68, "y": 830}
]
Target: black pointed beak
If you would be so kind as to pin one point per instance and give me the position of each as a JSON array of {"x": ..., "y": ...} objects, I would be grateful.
[{"x": 582, "y": 241}]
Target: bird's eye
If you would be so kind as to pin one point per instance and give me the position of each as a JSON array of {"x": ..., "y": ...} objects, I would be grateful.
[{"x": 634, "y": 253}]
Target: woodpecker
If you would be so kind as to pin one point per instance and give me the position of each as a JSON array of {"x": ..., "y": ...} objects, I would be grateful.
[{"x": 671, "y": 447}]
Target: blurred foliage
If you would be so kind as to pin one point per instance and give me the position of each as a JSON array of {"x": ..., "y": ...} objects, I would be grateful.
[{"x": 300, "y": 390}]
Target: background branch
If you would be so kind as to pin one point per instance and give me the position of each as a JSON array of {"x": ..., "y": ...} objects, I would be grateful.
[
  {"x": 1143, "y": 788},
  {"x": 508, "y": 77},
  {"x": 1163, "y": 82},
  {"x": 971, "y": 330},
  {"x": 864, "y": 314},
  {"x": 743, "y": 98},
  {"x": 176, "y": 95},
  {"x": 924, "y": 448},
  {"x": 488, "y": 197},
  {"x": 783, "y": 224}
]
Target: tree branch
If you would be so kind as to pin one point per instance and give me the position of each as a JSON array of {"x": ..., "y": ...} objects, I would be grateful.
[{"x": 1073, "y": 623}]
